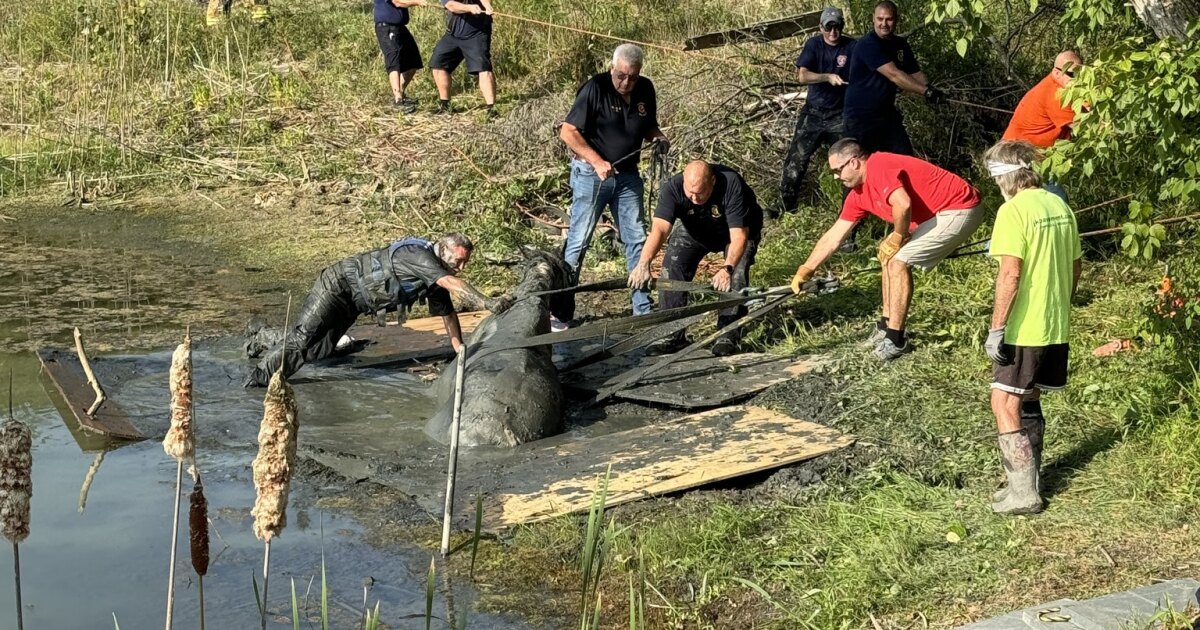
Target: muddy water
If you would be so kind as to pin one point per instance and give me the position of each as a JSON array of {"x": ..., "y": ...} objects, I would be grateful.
[{"x": 129, "y": 291}]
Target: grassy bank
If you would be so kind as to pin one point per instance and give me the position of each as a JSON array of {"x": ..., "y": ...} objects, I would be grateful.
[{"x": 276, "y": 149}]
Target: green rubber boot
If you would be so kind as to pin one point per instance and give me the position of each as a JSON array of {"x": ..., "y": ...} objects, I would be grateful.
[{"x": 1021, "y": 468}]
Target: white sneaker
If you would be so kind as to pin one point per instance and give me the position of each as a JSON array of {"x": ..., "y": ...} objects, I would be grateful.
[
  {"x": 343, "y": 343},
  {"x": 557, "y": 325}
]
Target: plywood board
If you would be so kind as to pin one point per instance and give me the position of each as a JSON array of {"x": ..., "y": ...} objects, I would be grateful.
[
  {"x": 657, "y": 459},
  {"x": 760, "y": 32},
  {"x": 420, "y": 339},
  {"x": 67, "y": 375},
  {"x": 704, "y": 381}
]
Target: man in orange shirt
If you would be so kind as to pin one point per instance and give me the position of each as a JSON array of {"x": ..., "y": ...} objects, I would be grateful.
[{"x": 1041, "y": 119}]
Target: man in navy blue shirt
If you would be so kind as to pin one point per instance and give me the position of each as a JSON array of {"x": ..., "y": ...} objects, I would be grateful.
[
  {"x": 824, "y": 66},
  {"x": 468, "y": 36},
  {"x": 401, "y": 57},
  {"x": 883, "y": 63}
]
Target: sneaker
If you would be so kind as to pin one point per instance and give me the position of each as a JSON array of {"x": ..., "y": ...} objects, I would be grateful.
[
  {"x": 887, "y": 351},
  {"x": 442, "y": 108},
  {"x": 405, "y": 105},
  {"x": 557, "y": 325},
  {"x": 876, "y": 337},
  {"x": 724, "y": 347},
  {"x": 344, "y": 342},
  {"x": 492, "y": 114}
]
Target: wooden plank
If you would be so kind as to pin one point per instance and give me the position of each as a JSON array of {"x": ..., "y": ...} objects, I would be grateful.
[
  {"x": 67, "y": 375},
  {"x": 657, "y": 459},
  {"x": 699, "y": 382},
  {"x": 759, "y": 32},
  {"x": 421, "y": 339}
]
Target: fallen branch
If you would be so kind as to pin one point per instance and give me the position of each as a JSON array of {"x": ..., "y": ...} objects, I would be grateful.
[{"x": 91, "y": 377}]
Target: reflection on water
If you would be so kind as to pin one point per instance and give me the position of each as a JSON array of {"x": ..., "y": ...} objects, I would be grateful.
[{"x": 81, "y": 568}]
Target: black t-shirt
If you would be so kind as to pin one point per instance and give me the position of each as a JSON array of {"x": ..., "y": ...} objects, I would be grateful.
[
  {"x": 732, "y": 204},
  {"x": 388, "y": 13},
  {"x": 421, "y": 268},
  {"x": 467, "y": 25},
  {"x": 613, "y": 127},
  {"x": 870, "y": 93},
  {"x": 819, "y": 57}
]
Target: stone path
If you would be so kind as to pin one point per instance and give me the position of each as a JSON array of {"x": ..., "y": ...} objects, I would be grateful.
[{"x": 1111, "y": 612}]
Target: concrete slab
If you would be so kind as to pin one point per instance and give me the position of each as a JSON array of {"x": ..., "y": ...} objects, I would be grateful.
[{"x": 1110, "y": 612}]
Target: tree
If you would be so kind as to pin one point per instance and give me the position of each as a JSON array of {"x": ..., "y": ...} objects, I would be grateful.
[{"x": 1168, "y": 18}]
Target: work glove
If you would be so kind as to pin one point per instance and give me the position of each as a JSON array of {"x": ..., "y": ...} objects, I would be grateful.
[
  {"x": 890, "y": 245},
  {"x": 803, "y": 275},
  {"x": 499, "y": 304},
  {"x": 639, "y": 278},
  {"x": 994, "y": 346},
  {"x": 934, "y": 96}
]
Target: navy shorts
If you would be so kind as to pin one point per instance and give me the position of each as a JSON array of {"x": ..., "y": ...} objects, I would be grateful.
[
  {"x": 400, "y": 52},
  {"x": 1030, "y": 367},
  {"x": 451, "y": 51}
]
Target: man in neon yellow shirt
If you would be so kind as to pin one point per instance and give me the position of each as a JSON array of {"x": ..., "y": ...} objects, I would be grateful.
[{"x": 1036, "y": 241}]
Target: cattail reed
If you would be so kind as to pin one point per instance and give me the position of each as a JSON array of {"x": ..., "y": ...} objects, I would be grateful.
[
  {"x": 273, "y": 468},
  {"x": 198, "y": 530},
  {"x": 179, "y": 444},
  {"x": 16, "y": 490}
]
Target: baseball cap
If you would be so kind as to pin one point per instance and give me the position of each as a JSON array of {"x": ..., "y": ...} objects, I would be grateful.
[{"x": 832, "y": 15}]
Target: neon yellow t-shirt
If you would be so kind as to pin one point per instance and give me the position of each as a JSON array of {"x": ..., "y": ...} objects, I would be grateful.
[{"x": 1039, "y": 228}]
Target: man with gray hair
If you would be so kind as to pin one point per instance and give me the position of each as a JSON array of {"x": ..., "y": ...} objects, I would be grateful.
[
  {"x": 390, "y": 278},
  {"x": 614, "y": 113}
]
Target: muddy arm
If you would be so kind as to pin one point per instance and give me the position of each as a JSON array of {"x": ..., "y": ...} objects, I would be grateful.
[{"x": 466, "y": 297}]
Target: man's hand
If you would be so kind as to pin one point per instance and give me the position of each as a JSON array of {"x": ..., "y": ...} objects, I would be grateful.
[
  {"x": 476, "y": 9},
  {"x": 499, "y": 304},
  {"x": 803, "y": 274},
  {"x": 934, "y": 96},
  {"x": 722, "y": 280},
  {"x": 834, "y": 79},
  {"x": 994, "y": 346},
  {"x": 604, "y": 169},
  {"x": 663, "y": 142},
  {"x": 889, "y": 246},
  {"x": 639, "y": 278}
]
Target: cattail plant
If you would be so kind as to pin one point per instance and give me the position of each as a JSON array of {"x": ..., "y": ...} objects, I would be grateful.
[
  {"x": 198, "y": 530},
  {"x": 273, "y": 468},
  {"x": 179, "y": 444},
  {"x": 16, "y": 489}
]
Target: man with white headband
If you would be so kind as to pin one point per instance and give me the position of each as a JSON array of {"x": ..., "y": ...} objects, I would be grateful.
[
  {"x": 932, "y": 212},
  {"x": 1036, "y": 241}
]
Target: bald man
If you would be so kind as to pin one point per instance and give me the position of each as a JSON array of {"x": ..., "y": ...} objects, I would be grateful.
[
  {"x": 718, "y": 212},
  {"x": 1041, "y": 119}
]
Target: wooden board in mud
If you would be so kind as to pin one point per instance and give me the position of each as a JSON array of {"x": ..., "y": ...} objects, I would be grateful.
[
  {"x": 67, "y": 375},
  {"x": 699, "y": 382},
  {"x": 760, "y": 32},
  {"x": 421, "y": 339},
  {"x": 652, "y": 460}
]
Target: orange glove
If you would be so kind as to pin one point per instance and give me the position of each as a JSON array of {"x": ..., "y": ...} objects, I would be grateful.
[
  {"x": 803, "y": 274},
  {"x": 890, "y": 245}
]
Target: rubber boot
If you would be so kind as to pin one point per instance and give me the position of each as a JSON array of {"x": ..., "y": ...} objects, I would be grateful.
[
  {"x": 1034, "y": 424},
  {"x": 1016, "y": 452}
]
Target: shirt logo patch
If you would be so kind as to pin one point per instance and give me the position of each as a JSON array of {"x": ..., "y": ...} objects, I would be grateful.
[
  {"x": 841, "y": 61},
  {"x": 641, "y": 109},
  {"x": 899, "y": 56},
  {"x": 716, "y": 212}
]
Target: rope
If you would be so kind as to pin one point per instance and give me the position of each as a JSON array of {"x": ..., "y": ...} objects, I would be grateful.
[{"x": 977, "y": 105}]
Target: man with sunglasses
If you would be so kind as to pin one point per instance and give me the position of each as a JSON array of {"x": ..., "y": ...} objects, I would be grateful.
[
  {"x": 932, "y": 212},
  {"x": 614, "y": 113},
  {"x": 883, "y": 64},
  {"x": 1041, "y": 118},
  {"x": 824, "y": 66}
]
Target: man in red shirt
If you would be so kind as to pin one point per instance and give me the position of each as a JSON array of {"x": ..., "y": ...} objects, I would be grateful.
[
  {"x": 932, "y": 212},
  {"x": 1041, "y": 119}
]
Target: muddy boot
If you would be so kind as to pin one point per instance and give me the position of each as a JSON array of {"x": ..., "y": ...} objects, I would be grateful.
[
  {"x": 1034, "y": 424},
  {"x": 724, "y": 346},
  {"x": 1019, "y": 465},
  {"x": 670, "y": 345}
]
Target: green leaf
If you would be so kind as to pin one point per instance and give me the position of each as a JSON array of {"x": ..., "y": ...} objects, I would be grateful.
[{"x": 961, "y": 47}]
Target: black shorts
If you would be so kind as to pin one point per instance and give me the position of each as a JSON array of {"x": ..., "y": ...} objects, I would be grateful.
[
  {"x": 450, "y": 51},
  {"x": 1040, "y": 367},
  {"x": 400, "y": 52},
  {"x": 882, "y": 133}
]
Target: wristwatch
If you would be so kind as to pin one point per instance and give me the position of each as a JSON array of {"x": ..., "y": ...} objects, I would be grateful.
[{"x": 729, "y": 269}]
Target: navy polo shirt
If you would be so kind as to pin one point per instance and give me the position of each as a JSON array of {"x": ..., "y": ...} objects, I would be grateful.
[
  {"x": 870, "y": 93},
  {"x": 613, "y": 127},
  {"x": 388, "y": 13},
  {"x": 732, "y": 204},
  {"x": 818, "y": 56},
  {"x": 467, "y": 25}
]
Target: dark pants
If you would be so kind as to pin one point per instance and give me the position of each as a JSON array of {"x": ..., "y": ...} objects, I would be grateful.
[
  {"x": 883, "y": 132},
  {"x": 684, "y": 254},
  {"x": 817, "y": 127},
  {"x": 328, "y": 312}
]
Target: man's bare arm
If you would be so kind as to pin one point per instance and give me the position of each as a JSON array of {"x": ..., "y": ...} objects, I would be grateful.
[
  {"x": 903, "y": 80},
  {"x": 453, "y": 330},
  {"x": 829, "y": 242},
  {"x": 738, "y": 238},
  {"x": 901, "y": 205},
  {"x": 454, "y": 6},
  {"x": 466, "y": 297},
  {"x": 575, "y": 141},
  {"x": 1007, "y": 281},
  {"x": 808, "y": 77}
]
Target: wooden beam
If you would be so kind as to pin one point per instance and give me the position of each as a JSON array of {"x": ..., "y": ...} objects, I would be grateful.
[{"x": 759, "y": 32}]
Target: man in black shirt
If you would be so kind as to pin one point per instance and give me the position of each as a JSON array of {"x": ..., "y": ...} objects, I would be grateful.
[
  {"x": 614, "y": 112},
  {"x": 823, "y": 65},
  {"x": 882, "y": 64},
  {"x": 468, "y": 36},
  {"x": 718, "y": 212},
  {"x": 385, "y": 279},
  {"x": 401, "y": 57}
]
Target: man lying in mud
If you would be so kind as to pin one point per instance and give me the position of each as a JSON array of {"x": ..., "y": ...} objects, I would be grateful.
[
  {"x": 717, "y": 212},
  {"x": 390, "y": 278}
]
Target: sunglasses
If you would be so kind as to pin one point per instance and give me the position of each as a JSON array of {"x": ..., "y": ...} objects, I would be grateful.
[
  {"x": 837, "y": 170},
  {"x": 626, "y": 76},
  {"x": 1069, "y": 73}
]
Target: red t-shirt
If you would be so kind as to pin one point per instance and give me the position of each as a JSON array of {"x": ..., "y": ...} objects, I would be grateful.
[
  {"x": 931, "y": 188},
  {"x": 1040, "y": 117}
]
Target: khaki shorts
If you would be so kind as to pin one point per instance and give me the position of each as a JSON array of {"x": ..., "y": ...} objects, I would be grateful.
[{"x": 938, "y": 237}]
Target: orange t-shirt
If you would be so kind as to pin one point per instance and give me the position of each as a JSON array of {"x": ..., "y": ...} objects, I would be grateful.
[{"x": 1041, "y": 119}]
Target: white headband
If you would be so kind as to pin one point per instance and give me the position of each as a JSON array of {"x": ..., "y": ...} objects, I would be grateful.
[{"x": 996, "y": 169}]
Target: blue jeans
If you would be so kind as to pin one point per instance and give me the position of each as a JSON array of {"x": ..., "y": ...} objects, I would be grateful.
[
  {"x": 1052, "y": 186},
  {"x": 622, "y": 194}
]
